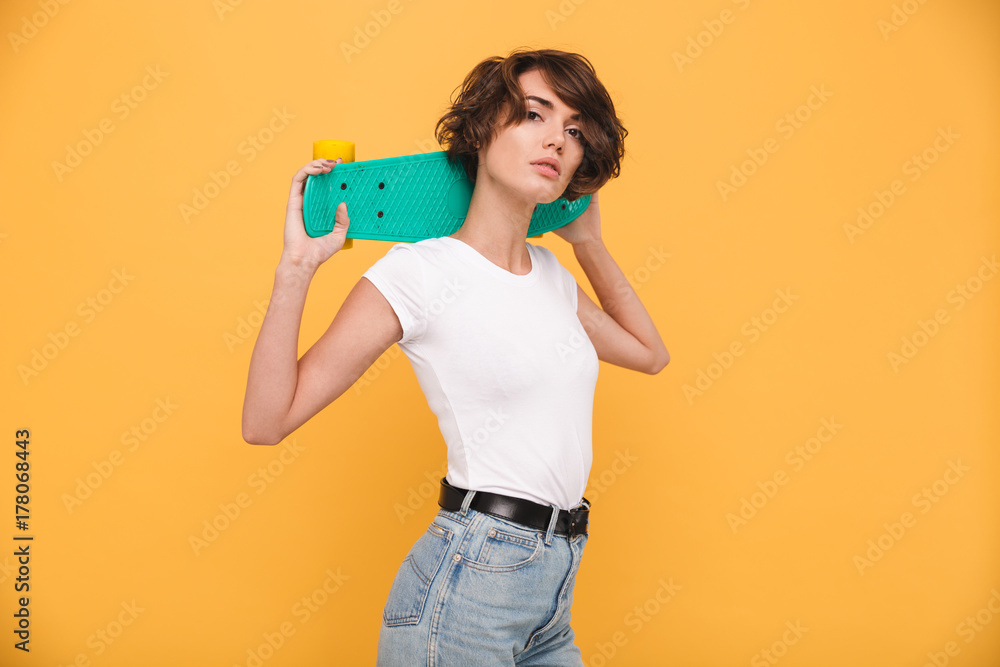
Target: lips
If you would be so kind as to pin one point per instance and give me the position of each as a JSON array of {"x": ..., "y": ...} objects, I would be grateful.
[{"x": 551, "y": 162}]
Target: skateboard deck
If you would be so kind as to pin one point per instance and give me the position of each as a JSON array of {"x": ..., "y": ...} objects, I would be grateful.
[{"x": 408, "y": 198}]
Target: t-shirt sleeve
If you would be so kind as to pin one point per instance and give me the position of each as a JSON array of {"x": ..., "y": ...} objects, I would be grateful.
[
  {"x": 574, "y": 292},
  {"x": 567, "y": 278},
  {"x": 399, "y": 276}
]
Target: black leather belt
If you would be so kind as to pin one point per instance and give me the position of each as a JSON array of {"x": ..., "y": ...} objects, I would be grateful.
[{"x": 520, "y": 510}]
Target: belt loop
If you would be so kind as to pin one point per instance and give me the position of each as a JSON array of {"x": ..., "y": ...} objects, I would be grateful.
[
  {"x": 469, "y": 495},
  {"x": 552, "y": 525}
]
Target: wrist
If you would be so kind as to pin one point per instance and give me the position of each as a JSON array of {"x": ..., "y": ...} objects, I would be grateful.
[
  {"x": 296, "y": 264},
  {"x": 295, "y": 269},
  {"x": 588, "y": 244}
]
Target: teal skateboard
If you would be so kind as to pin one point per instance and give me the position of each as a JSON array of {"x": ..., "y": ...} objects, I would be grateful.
[{"x": 408, "y": 198}]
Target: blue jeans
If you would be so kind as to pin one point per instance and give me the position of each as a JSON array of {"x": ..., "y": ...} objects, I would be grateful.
[{"x": 476, "y": 589}]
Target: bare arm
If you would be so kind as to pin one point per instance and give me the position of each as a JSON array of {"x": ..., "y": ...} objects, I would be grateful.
[
  {"x": 283, "y": 391},
  {"x": 622, "y": 333}
]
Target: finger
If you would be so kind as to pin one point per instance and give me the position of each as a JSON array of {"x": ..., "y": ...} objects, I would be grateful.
[
  {"x": 318, "y": 166},
  {"x": 326, "y": 162},
  {"x": 340, "y": 217}
]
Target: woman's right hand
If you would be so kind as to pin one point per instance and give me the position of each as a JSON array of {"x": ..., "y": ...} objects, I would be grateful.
[{"x": 300, "y": 248}]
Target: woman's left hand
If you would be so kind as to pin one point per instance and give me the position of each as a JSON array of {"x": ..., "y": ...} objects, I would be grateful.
[{"x": 587, "y": 227}]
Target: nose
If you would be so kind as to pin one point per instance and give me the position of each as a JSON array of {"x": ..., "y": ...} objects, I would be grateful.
[{"x": 556, "y": 138}]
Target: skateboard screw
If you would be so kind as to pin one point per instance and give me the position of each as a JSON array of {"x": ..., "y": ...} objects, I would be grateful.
[
  {"x": 343, "y": 186},
  {"x": 380, "y": 214},
  {"x": 381, "y": 186}
]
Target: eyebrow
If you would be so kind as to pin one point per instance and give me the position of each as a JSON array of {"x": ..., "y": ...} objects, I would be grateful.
[{"x": 549, "y": 105}]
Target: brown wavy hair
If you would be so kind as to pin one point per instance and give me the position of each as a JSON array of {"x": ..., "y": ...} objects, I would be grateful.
[{"x": 473, "y": 116}]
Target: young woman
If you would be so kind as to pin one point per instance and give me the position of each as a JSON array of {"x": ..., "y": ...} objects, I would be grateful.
[{"x": 505, "y": 346}]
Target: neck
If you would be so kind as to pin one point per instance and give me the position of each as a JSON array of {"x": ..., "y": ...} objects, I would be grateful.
[{"x": 497, "y": 225}]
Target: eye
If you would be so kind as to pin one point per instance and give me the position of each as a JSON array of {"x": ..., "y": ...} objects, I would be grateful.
[{"x": 578, "y": 136}]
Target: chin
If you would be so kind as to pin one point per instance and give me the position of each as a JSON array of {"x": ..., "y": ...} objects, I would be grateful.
[
  {"x": 547, "y": 196},
  {"x": 545, "y": 193}
]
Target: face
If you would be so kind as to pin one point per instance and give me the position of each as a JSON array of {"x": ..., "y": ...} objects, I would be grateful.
[{"x": 547, "y": 130}]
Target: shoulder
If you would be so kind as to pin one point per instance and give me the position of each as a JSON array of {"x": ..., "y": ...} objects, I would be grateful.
[
  {"x": 546, "y": 258},
  {"x": 420, "y": 263},
  {"x": 542, "y": 253},
  {"x": 556, "y": 274},
  {"x": 425, "y": 249},
  {"x": 409, "y": 253}
]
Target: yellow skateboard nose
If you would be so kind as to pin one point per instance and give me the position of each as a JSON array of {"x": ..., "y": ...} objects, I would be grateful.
[{"x": 331, "y": 149}]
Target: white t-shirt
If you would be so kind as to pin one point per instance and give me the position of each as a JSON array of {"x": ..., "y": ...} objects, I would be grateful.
[{"x": 504, "y": 363}]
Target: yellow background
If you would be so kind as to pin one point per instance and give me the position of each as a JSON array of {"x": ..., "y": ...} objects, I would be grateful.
[{"x": 181, "y": 327}]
